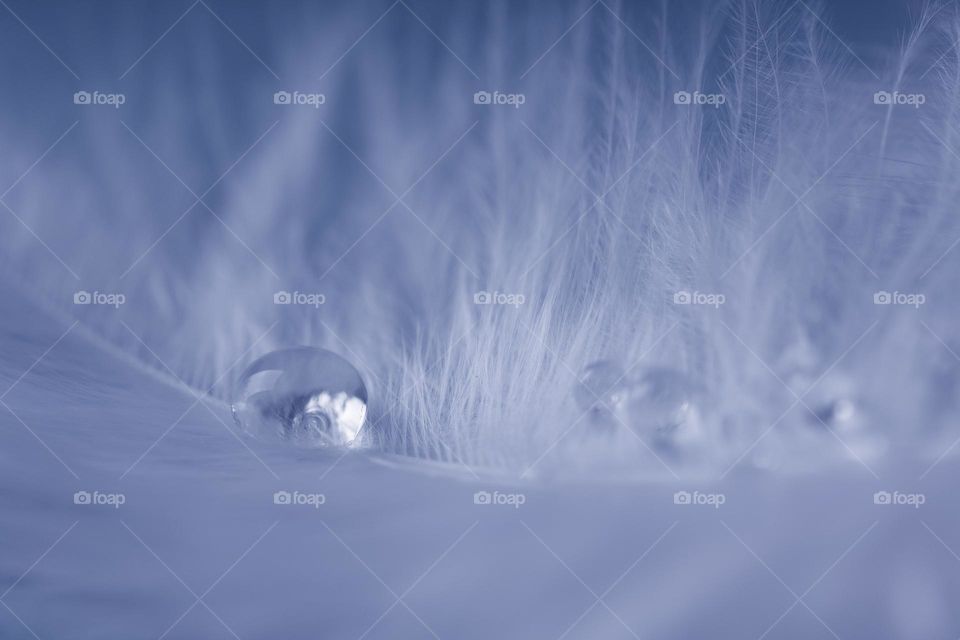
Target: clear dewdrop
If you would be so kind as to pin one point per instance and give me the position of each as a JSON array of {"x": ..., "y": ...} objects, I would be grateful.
[
  {"x": 602, "y": 392},
  {"x": 308, "y": 396},
  {"x": 662, "y": 403},
  {"x": 657, "y": 403}
]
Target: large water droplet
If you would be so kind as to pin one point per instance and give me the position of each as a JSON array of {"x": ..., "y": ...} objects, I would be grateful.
[
  {"x": 602, "y": 392},
  {"x": 311, "y": 397},
  {"x": 661, "y": 401},
  {"x": 658, "y": 404}
]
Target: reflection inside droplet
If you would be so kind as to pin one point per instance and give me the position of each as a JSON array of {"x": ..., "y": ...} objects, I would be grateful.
[
  {"x": 601, "y": 392},
  {"x": 311, "y": 397},
  {"x": 659, "y": 404},
  {"x": 662, "y": 401}
]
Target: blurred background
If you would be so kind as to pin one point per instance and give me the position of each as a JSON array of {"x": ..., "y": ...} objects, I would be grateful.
[{"x": 474, "y": 203}]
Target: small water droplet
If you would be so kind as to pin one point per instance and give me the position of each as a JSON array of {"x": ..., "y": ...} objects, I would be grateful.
[
  {"x": 601, "y": 392},
  {"x": 656, "y": 403},
  {"x": 662, "y": 401},
  {"x": 311, "y": 397}
]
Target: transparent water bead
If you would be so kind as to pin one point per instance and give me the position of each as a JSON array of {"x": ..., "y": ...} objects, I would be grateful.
[
  {"x": 662, "y": 402},
  {"x": 602, "y": 392},
  {"x": 657, "y": 403},
  {"x": 311, "y": 397}
]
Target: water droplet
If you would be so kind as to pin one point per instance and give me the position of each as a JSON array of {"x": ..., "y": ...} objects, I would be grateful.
[
  {"x": 661, "y": 402},
  {"x": 601, "y": 392},
  {"x": 657, "y": 403},
  {"x": 311, "y": 397}
]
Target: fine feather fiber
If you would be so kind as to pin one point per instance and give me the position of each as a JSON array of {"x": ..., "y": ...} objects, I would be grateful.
[{"x": 590, "y": 206}]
